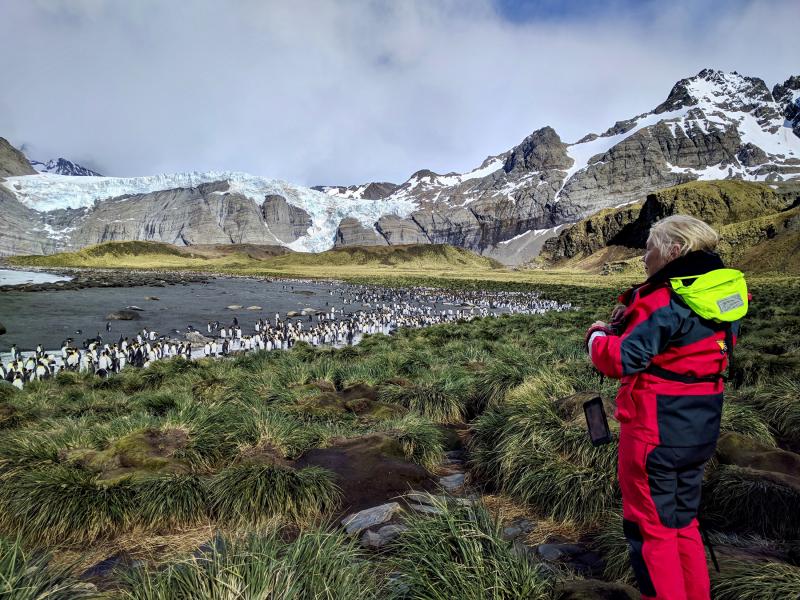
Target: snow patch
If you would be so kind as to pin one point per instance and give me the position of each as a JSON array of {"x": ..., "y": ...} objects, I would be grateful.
[
  {"x": 531, "y": 233},
  {"x": 581, "y": 152}
]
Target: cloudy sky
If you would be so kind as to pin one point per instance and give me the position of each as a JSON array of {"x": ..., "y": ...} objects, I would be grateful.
[{"x": 349, "y": 91}]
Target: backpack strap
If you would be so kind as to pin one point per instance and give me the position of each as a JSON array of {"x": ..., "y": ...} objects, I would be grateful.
[{"x": 729, "y": 346}]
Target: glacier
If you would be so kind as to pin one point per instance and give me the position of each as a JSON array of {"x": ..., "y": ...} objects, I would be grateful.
[{"x": 48, "y": 192}]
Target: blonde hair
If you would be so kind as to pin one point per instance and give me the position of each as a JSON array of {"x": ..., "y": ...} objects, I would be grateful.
[{"x": 687, "y": 232}]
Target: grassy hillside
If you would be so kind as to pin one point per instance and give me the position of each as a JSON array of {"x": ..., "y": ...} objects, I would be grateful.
[
  {"x": 269, "y": 260},
  {"x": 411, "y": 256},
  {"x": 154, "y": 255},
  {"x": 759, "y": 231}
]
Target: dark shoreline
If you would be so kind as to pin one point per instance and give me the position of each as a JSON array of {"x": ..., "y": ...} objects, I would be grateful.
[{"x": 103, "y": 278}]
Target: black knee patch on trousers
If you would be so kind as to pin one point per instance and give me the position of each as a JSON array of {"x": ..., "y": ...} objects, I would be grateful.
[
  {"x": 636, "y": 542},
  {"x": 675, "y": 478}
]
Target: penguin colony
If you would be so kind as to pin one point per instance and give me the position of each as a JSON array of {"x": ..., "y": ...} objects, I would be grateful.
[{"x": 384, "y": 310}]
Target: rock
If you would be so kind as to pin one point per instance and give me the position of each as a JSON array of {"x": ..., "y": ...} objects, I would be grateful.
[
  {"x": 292, "y": 313},
  {"x": 284, "y": 221},
  {"x": 590, "y": 234},
  {"x": 123, "y": 315},
  {"x": 422, "y": 498},
  {"x": 134, "y": 307},
  {"x": 736, "y": 449},
  {"x": 541, "y": 151},
  {"x": 510, "y": 533},
  {"x": 396, "y": 230},
  {"x": 254, "y": 307},
  {"x": 234, "y": 307},
  {"x": 109, "y": 565},
  {"x": 452, "y": 483},
  {"x": 550, "y": 552},
  {"x": 433, "y": 500},
  {"x": 2, "y": 329},
  {"x": 370, "y": 517},
  {"x": 525, "y": 525},
  {"x": 577, "y": 556},
  {"x": 351, "y": 232},
  {"x": 378, "y": 539},
  {"x": 153, "y": 298},
  {"x": 13, "y": 162},
  {"x": 425, "y": 509},
  {"x": 791, "y": 107},
  {"x": 196, "y": 337},
  {"x": 594, "y": 589}
]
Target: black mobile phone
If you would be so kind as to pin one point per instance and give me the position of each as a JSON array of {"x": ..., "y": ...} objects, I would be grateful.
[{"x": 596, "y": 421}]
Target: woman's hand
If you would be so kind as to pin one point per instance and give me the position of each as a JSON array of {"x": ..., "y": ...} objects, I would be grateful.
[
  {"x": 617, "y": 313},
  {"x": 598, "y": 324}
]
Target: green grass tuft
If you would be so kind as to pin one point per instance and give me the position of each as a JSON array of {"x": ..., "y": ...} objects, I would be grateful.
[
  {"x": 755, "y": 580},
  {"x": 253, "y": 494},
  {"x": 27, "y": 576},
  {"x": 318, "y": 565},
  {"x": 61, "y": 505},
  {"x": 745, "y": 500},
  {"x": 460, "y": 553},
  {"x": 169, "y": 502}
]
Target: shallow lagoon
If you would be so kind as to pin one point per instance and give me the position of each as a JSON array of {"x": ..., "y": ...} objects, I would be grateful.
[{"x": 49, "y": 317}]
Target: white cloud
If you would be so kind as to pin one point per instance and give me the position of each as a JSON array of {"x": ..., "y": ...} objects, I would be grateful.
[{"x": 338, "y": 92}]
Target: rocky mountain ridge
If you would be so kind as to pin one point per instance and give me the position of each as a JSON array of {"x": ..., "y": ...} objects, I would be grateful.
[
  {"x": 62, "y": 166},
  {"x": 714, "y": 125},
  {"x": 13, "y": 162}
]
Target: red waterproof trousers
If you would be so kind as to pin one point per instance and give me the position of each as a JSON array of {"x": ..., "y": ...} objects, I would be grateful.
[{"x": 660, "y": 496}]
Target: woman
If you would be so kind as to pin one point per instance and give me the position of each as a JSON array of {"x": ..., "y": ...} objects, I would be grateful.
[{"x": 669, "y": 343}]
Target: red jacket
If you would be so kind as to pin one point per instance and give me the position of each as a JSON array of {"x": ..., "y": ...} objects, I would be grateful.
[{"x": 668, "y": 359}]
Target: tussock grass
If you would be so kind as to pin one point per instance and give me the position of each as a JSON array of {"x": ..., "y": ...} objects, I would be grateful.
[
  {"x": 506, "y": 370},
  {"x": 610, "y": 541},
  {"x": 61, "y": 505},
  {"x": 216, "y": 432},
  {"x": 744, "y": 500},
  {"x": 242, "y": 429},
  {"x": 440, "y": 399},
  {"x": 282, "y": 432},
  {"x": 779, "y": 402},
  {"x": 460, "y": 553},
  {"x": 253, "y": 494},
  {"x": 170, "y": 502},
  {"x": 740, "y": 580},
  {"x": 745, "y": 420},
  {"x": 26, "y": 449},
  {"x": 525, "y": 449},
  {"x": 318, "y": 565},
  {"x": 421, "y": 441},
  {"x": 28, "y": 576},
  {"x": 370, "y": 370}
]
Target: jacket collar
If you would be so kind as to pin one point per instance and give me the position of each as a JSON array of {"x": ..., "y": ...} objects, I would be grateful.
[
  {"x": 694, "y": 263},
  {"x": 698, "y": 262}
]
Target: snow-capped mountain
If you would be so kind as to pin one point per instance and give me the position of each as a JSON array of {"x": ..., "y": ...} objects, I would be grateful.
[
  {"x": 62, "y": 166},
  {"x": 714, "y": 125}
]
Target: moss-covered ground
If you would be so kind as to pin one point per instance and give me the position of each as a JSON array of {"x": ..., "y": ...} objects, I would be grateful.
[{"x": 244, "y": 459}]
